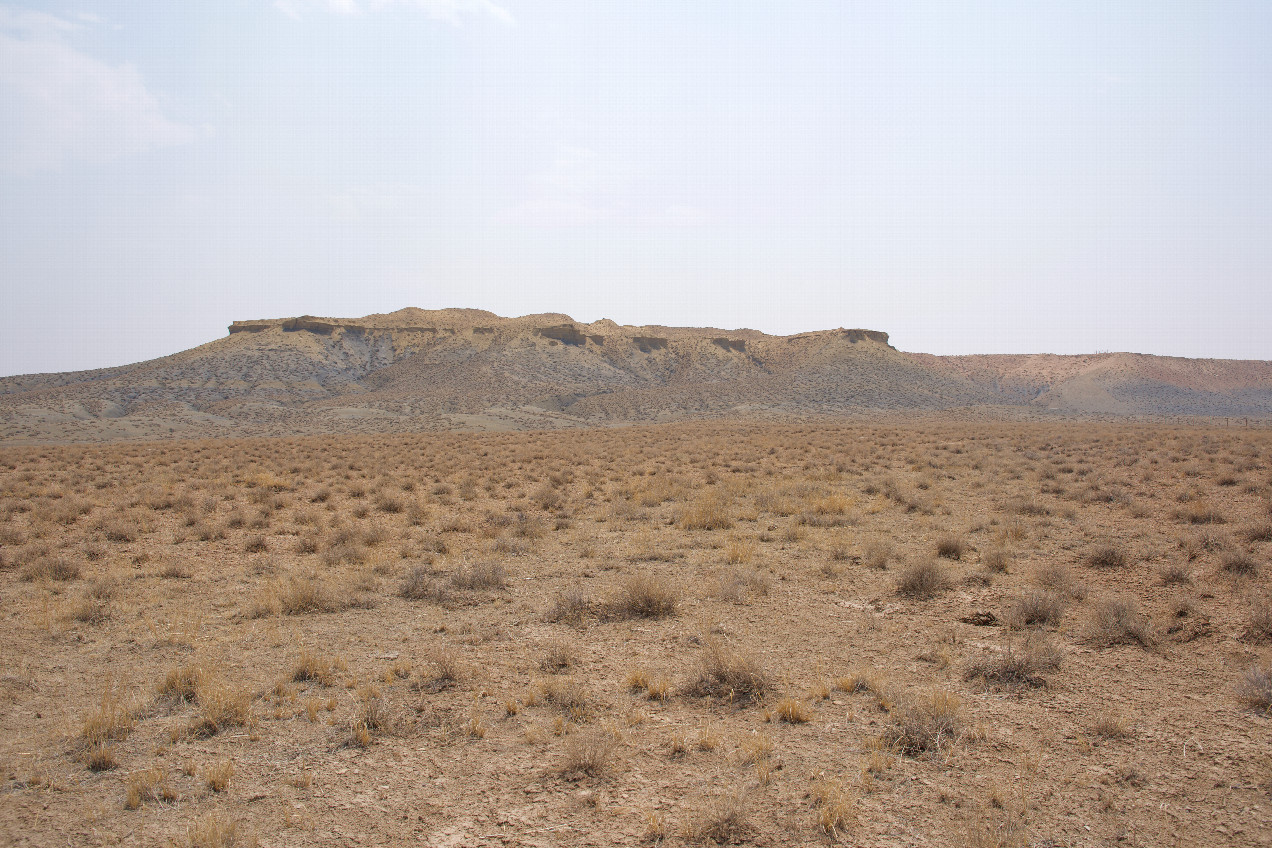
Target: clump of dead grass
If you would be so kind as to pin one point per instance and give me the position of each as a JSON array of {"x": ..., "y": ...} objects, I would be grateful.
[
  {"x": 1255, "y": 688},
  {"x": 923, "y": 580},
  {"x": 1118, "y": 621},
  {"x": 730, "y": 675},
  {"x": 1034, "y": 608},
  {"x": 931, "y": 722},
  {"x": 643, "y": 596},
  {"x": 1018, "y": 666}
]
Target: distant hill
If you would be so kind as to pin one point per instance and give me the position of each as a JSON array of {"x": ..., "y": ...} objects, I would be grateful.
[{"x": 418, "y": 369}]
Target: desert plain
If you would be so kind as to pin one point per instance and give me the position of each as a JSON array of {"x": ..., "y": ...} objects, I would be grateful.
[{"x": 905, "y": 629}]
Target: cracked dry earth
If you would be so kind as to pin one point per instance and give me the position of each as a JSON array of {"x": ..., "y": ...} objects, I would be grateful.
[{"x": 883, "y": 633}]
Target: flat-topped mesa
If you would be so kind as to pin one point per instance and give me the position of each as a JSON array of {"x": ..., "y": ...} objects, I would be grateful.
[{"x": 555, "y": 327}]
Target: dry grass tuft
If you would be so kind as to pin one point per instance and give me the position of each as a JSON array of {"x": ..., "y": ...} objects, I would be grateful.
[
  {"x": 932, "y": 722},
  {"x": 1239, "y": 563},
  {"x": 571, "y": 607},
  {"x": 1255, "y": 688},
  {"x": 1107, "y": 556},
  {"x": 923, "y": 580},
  {"x": 1034, "y": 608},
  {"x": 149, "y": 786},
  {"x": 1016, "y": 667},
  {"x": 643, "y": 596},
  {"x": 1117, "y": 621},
  {"x": 587, "y": 755},
  {"x": 724, "y": 821},
  {"x": 731, "y": 676}
]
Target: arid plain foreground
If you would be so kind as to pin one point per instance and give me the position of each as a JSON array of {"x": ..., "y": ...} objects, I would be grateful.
[{"x": 875, "y": 634}]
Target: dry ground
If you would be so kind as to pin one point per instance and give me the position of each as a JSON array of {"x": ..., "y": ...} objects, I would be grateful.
[{"x": 879, "y": 634}]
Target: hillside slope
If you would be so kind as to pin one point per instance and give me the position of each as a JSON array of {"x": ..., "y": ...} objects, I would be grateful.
[{"x": 417, "y": 369}]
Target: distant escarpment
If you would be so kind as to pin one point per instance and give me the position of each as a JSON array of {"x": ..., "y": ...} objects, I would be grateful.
[{"x": 418, "y": 369}]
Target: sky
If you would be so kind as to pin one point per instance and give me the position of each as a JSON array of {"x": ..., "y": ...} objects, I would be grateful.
[{"x": 970, "y": 177}]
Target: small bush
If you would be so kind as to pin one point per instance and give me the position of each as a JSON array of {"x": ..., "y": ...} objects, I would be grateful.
[
  {"x": 932, "y": 722},
  {"x": 1016, "y": 667},
  {"x": 1107, "y": 556},
  {"x": 725, "y": 821},
  {"x": 588, "y": 755},
  {"x": 731, "y": 676},
  {"x": 1255, "y": 688},
  {"x": 1117, "y": 621},
  {"x": 1239, "y": 563},
  {"x": 1034, "y": 608},
  {"x": 571, "y": 607},
  {"x": 220, "y": 708},
  {"x": 420, "y": 585},
  {"x": 950, "y": 547},
  {"x": 643, "y": 596},
  {"x": 182, "y": 683},
  {"x": 923, "y": 580}
]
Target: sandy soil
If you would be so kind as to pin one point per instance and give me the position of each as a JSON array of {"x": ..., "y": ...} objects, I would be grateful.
[{"x": 884, "y": 633}]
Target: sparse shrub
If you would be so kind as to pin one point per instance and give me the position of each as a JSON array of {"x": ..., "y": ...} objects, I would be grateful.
[
  {"x": 792, "y": 711},
  {"x": 571, "y": 607},
  {"x": 1016, "y": 667},
  {"x": 931, "y": 722},
  {"x": 1107, "y": 556},
  {"x": 1239, "y": 563},
  {"x": 735, "y": 586},
  {"x": 996, "y": 560},
  {"x": 482, "y": 575},
  {"x": 950, "y": 547},
  {"x": 877, "y": 555},
  {"x": 218, "y": 832},
  {"x": 643, "y": 596},
  {"x": 923, "y": 580},
  {"x": 568, "y": 696},
  {"x": 731, "y": 676},
  {"x": 1034, "y": 608},
  {"x": 256, "y": 545},
  {"x": 724, "y": 821},
  {"x": 1255, "y": 688},
  {"x": 1117, "y": 621},
  {"x": 49, "y": 568},
  {"x": 420, "y": 585},
  {"x": 302, "y": 595},
  {"x": 587, "y": 755}
]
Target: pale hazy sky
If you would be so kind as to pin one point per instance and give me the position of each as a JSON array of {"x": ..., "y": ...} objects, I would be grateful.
[{"x": 970, "y": 177}]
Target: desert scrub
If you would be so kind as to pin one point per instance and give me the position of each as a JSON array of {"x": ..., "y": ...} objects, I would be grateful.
[
  {"x": 643, "y": 596},
  {"x": 587, "y": 755},
  {"x": 1034, "y": 608},
  {"x": 1107, "y": 556},
  {"x": 1018, "y": 666},
  {"x": 930, "y": 722},
  {"x": 923, "y": 580},
  {"x": 1255, "y": 688},
  {"x": 724, "y": 820},
  {"x": 950, "y": 546},
  {"x": 730, "y": 675},
  {"x": 1117, "y": 621},
  {"x": 570, "y": 607},
  {"x": 709, "y": 512},
  {"x": 420, "y": 585}
]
